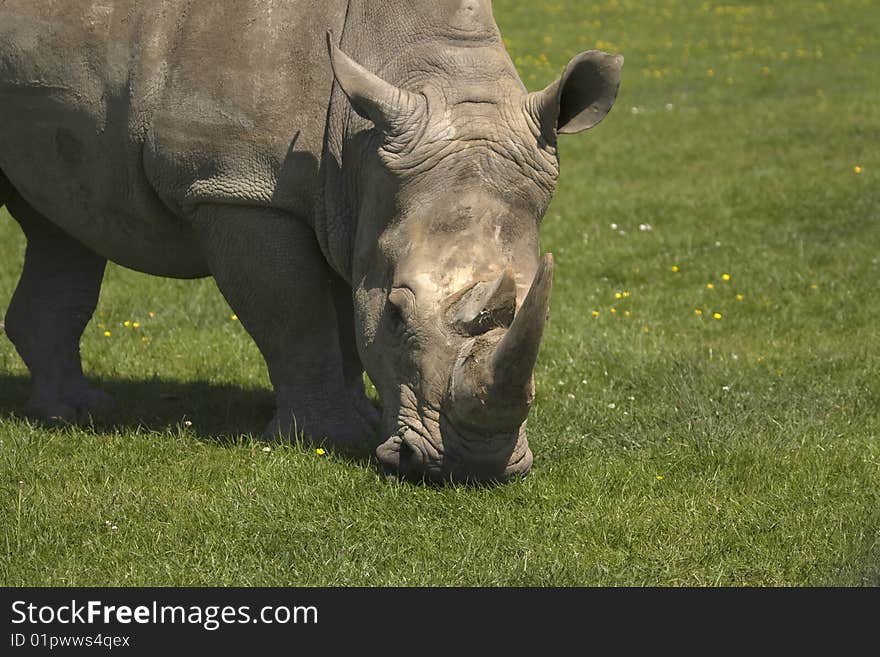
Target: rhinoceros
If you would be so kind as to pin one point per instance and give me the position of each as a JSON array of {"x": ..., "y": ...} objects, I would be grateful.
[{"x": 364, "y": 180}]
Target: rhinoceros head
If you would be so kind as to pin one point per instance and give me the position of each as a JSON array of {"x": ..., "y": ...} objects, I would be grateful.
[{"x": 451, "y": 293}]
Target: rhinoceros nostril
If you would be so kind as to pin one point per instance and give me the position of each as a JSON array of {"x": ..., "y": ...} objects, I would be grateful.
[
  {"x": 408, "y": 458},
  {"x": 402, "y": 453}
]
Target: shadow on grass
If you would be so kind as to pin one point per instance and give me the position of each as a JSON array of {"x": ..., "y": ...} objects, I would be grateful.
[{"x": 219, "y": 413}]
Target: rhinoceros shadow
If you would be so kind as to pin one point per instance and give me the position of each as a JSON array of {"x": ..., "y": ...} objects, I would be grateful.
[{"x": 211, "y": 412}]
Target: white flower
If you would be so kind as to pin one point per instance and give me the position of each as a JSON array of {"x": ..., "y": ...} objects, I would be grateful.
[
  {"x": 645, "y": 227},
  {"x": 612, "y": 406},
  {"x": 669, "y": 107}
]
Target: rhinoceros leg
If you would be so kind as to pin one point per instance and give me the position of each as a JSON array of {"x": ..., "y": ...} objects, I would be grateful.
[
  {"x": 353, "y": 369},
  {"x": 54, "y": 300},
  {"x": 270, "y": 269}
]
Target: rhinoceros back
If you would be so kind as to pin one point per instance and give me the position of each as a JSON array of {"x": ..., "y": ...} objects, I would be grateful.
[{"x": 118, "y": 117}]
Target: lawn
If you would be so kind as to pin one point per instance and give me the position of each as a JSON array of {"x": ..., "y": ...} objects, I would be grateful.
[{"x": 708, "y": 403}]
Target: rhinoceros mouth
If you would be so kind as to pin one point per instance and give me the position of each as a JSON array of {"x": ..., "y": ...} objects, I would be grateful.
[{"x": 448, "y": 454}]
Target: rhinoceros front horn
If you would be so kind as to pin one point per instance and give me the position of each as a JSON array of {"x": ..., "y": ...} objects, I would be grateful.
[
  {"x": 395, "y": 111},
  {"x": 492, "y": 387}
]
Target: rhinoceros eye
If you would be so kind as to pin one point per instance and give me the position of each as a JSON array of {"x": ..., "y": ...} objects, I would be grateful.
[{"x": 401, "y": 302}]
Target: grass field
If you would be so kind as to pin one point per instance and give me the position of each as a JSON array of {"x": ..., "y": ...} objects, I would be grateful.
[{"x": 708, "y": 392}]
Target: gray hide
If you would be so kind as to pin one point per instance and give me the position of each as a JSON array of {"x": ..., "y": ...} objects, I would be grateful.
[{"x": 386, "y": 219}]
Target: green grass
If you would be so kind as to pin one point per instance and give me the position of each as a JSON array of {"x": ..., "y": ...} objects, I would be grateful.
[{"x": 671, "y": 448}]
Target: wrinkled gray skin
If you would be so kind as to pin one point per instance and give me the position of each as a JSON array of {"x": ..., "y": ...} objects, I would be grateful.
[{"x": 387, "y": 221}]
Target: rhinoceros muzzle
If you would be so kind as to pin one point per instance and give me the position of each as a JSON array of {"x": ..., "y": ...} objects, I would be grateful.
[
  {"x": 463, "y": 459},
  {"x": 479, "y": 432}
]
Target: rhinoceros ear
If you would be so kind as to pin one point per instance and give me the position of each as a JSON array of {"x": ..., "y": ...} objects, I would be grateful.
[
  {"x": 392, "y": 109},
  {"x": 581, "y": 97}
]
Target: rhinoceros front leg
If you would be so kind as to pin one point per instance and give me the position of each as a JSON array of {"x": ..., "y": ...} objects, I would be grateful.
[
  {"x": 352, "y": 368},
  {"x": 271, "y": 271},
  {"x": 54, "y": 300}
]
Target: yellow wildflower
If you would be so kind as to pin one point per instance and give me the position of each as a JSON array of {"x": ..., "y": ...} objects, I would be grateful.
[
  {"x": 857, "y": 169},
  {"x": 740, "y": 297},
  {"x": 320, "y": 451},
  {"x": 675, "y": 269},
  {"x": 710, "y": 286},
  {"x": 595, "y": 313},
  {"x": 234, "y": 318},
  {"x": 697, "y": 312},
  {"x": 659, "y": 477},
  {"x": 725, "y": 277},
  {"x": 107, "y": 334},
  {"x": 716, "y": 315}
]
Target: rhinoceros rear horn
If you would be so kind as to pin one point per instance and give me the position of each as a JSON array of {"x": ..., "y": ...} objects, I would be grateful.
[
  {"x": 487, "y": 306},
  {"x": 395, "y": 111}
]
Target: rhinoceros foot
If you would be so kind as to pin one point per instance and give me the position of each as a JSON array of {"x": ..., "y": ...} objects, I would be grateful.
[
  {"x": 349, "y": 429},
  {"x": 71, "y": 406}
]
